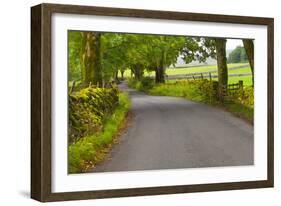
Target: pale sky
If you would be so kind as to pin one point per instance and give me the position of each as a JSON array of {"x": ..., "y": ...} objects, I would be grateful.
[{"x": 233, "y": 43}]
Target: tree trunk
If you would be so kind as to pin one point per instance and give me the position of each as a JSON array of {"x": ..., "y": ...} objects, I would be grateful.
[
  {"x": 222, "y": 66},
  {"x": 160, "y": 70},
  {"x": 159, "y": 74},
  {"x": 91, "y": 58},
  {"x": 83, "y": 59},
  {"x": 97, "y": 80},
  {"x": 116, "y": 76},
  {"x": 137, "y": 72},
  {"x": 157, "y": 79},
  {"x": 122, "y": 74},
  {"x": 249, "y": 48}
]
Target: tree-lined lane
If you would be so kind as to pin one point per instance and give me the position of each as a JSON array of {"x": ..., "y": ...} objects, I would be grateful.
[{"x": 170, "y": 132}]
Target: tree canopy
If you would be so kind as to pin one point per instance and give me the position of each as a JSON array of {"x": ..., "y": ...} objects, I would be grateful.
[{"x": 96, "y": 57}]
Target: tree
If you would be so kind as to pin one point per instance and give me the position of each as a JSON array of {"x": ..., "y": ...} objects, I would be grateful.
[
  {"x": 237, "y": 55},
  {"x": 249, "y": 47},
  {"x": 85, "y": 57},
  {"x": 74, "y": 50},
  {"x": 221, "y": 62},
  {"x": 96, "y": 58},
  {"x": 202, "y": 48},
  {"x": 136, "y": 55},
  {"x": 91, "y": 58},
  {"x": 161, "y": 52},
  {"x": 198, "y": 49},
  {"x": 114, "y": 51}
]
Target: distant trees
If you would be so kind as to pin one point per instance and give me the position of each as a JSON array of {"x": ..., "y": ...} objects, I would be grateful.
[
  {"x": 237, "y": 55},
  {"x": 243, "y": 54}
]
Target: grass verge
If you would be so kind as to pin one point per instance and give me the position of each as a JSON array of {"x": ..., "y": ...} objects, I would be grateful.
[
  {"x": 90, "y": 150},
  {"x": 240, "y": 110}
]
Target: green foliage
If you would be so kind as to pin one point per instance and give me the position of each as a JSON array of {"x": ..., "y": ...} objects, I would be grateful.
[
  {"x": 198, "y": 48},
  {"x": 164, "y": 49},
  {"x": 74, "y": 50},
  {"x": 244, "y": 96},
  {"x": 137, "y": 52},
  {"x": 91, "y": 149},
  {"x": 238, "y": 55},
  {"x": 132, "y": 82},
  {"x": 87, "y": 110},
  {"x": 144, "y": 84},
  {"x": 198, "y": 90},
  {"x": 241, "y": 103},
  {"x": 114, "y": 52}
]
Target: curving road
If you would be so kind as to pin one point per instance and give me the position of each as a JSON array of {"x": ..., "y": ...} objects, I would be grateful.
[{"x": 171, "y": 132}]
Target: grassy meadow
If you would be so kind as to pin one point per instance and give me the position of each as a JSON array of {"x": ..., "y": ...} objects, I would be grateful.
[{"x": 247, "y": 80}]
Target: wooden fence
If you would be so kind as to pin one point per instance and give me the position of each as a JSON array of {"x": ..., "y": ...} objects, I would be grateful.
[
  {"x": 230, "y": 89},
  {"x": 202, "y": 75}
]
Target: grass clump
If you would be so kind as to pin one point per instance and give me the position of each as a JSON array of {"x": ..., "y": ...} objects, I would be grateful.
[{"x": 91, "y": 149}]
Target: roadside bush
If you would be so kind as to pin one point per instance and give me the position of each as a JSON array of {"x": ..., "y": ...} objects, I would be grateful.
[
  {"x": 244, "y": 96},
  {"x": 201, "y": 91},
  {"x": 145, "y": 84},
  {"x": 132, "y": 82},
  {"x": 198, "y": 90},
  {"x": 241, "y": 103},
  {"x": 87, "y": 110}
]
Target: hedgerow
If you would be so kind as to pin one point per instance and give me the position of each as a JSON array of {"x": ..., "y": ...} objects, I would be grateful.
[
  {"x": 90, "y": 149},
  {"x": 87, "y": 110}
]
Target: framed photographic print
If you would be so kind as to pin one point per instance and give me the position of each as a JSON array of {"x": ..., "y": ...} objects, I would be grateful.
[{"x": 132, "y": 102}]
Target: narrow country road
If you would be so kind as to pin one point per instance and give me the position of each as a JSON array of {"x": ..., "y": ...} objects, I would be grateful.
[{"x": 171, "y": 132}]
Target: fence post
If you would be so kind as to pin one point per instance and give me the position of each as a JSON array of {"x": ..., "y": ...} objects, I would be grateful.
[
  {"x": 210, "y": 75},
  {"x": 240, "y": 84},
  {"x": 202, "y": 76}
]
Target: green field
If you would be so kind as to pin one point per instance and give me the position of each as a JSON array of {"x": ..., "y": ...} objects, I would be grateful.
[
  {"x": 197, "y": 69},
  {"x": 240, "y": 71},
  {"x": 209, "y": 68}
]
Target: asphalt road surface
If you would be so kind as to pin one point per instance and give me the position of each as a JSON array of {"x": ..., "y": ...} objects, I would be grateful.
[{"x": 171, "y": 132}]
